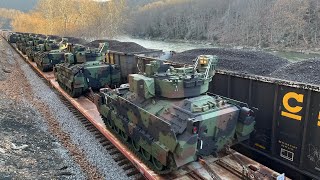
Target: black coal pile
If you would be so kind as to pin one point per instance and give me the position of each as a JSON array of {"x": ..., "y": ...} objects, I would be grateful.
[
  {"x": 42, "y": 36},
  {"x": 54, "y": 37},
  {"x": 244, "y": 61},
  {"x": 307, "y": 71},
  {"x": 114, "y": 45},
  {"x": 75, "y": 40},
  {"x": 95, "y": 43}
]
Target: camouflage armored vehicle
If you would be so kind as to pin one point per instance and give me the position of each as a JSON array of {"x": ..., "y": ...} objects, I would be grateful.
[
  {"x": 41, "y": 53},
  {"x": 24, "y": 38},
  {"x": 35, "y": 43},
  {"x": 166, "y": 117},
  {"x": 13, "y": 37},
  {"x": 25, "y": 41},
  {"x": 48, "y": 45},
  {"x": 47, "y": 60},
  {"x": 86, "y": 69}
]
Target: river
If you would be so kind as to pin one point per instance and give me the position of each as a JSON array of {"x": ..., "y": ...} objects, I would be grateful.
[
  {"x": 164, "y": 45},
  {"x": 183, "y": 46}
]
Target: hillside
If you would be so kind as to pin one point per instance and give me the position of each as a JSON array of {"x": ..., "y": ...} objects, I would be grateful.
[{"x": 263, "y": 23}]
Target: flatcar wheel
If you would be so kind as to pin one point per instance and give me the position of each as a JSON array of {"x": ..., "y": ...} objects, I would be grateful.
[
  {"x": 124, "y": 136},
  {"x": 145, "y": 154},
  {"x": 135, "y": 145},
  {"x": 157, "y": 164}
]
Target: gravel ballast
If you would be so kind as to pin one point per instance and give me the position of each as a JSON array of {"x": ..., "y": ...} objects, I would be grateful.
[
  {"x": 94, "y": 151},
  {"x": 52, "y": 107},
  {"x": 27, "y": 149},
  {"x": 251, "y": 62}
]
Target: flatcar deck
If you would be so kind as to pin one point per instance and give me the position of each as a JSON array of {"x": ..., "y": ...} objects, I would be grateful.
[{"x": 232, "y": 166}]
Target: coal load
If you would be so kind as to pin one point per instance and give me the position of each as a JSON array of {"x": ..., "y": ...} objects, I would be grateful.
[
  {"x": 114, "y": 45},
  {"x": 75, "y": 40},
  {"x": 304, "y": 71},
  {"x": 42, "y": 36},
  {"x": 95, "y": 43},
  {"x": 243, "y": 61},
  {"x": 54, "y": 37}
]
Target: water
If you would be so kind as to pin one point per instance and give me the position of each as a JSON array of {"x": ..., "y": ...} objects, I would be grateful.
[
  {"x": 184, "y": 46},
  {"x": 165, "y": 45}
]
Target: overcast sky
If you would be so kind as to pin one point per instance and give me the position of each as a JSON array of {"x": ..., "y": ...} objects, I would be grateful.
[{"x": 23, "y": 5}]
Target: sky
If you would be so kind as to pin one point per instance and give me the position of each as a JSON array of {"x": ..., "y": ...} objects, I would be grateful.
[{"x": 23, "y": 5}]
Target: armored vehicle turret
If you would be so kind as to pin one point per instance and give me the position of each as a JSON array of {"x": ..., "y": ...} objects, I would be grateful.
[
  {"x": 25, "y": 41},
  {"x": 167, "y": 117},
  {"x": 83, "y": 70},
  {"x": 48, "y": 54},
  {"x": 13, "y": 37},
  {"x": 47, "y": 60},
  {"x": 33, "y": 46}
]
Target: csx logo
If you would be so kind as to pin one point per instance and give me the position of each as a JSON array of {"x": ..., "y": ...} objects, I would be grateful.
[{"x": 292, "y": 111}]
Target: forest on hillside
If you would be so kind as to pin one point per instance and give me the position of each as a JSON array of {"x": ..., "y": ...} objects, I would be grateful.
[
  {"x": 6, "y": 16},
  {"x": 263, "y": 23},
  {"x": 259, "y": 23},
  {"x": 80, "y": 18}
]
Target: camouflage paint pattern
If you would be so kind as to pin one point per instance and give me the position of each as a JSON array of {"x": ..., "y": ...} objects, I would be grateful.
[
  {"x": 34, "y": 47},
  {"x": 47, "y": 60},
  {"x": 52, "y": 55},
  {"x": 24, "y": 42},
  {"x": 166, "y": 112},
  {"x": 13, "y": 37},
  {"x": 86, "y": 69}
]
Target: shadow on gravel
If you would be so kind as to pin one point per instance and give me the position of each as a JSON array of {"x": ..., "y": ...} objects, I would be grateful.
[{"x": 26, "y": 149}]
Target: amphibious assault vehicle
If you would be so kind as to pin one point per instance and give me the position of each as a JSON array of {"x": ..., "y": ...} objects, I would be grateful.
[
  {"x": 166, "y": 116},
  {"x": 86, "y": 69}
]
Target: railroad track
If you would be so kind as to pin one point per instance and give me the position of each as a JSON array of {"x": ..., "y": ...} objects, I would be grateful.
[
  {"x": 118, "y": 157},
  {"x": 209, "y": 168},
  {"x": 123, "y": 162}
]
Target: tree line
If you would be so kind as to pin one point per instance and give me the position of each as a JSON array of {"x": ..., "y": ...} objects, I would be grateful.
[
  {"x": 6, "y": 15},
  {"x": 81, "y": 18},
  {"x": 262, "y": 23}
]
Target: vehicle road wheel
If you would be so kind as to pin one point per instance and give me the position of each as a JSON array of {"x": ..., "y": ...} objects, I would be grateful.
[
  {"x": 117, "y": 129},
  {"x": 135, "y": 145},
  {"x": 108, "y": 122},
  {"x": 157, "y": 164},
  {"x": 145, "y": 154},
  {"x": 124, "y": 136}
]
